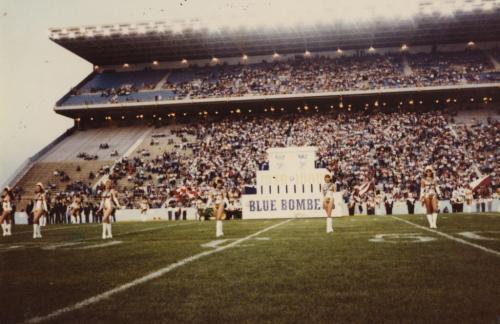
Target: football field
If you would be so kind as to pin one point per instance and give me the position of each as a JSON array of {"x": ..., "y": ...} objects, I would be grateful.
[{"x": 372, "y": 269}]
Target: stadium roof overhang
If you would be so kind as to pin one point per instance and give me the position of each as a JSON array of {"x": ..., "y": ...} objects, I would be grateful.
[
  {"x": 160, "y": 41},
  {"x": 438, "y": 96}
]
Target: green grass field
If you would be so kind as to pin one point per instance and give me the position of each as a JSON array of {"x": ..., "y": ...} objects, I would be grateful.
[{"x": 371, "y": 270}]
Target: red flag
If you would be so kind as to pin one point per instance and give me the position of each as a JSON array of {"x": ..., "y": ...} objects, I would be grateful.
[{"x": 476, "y": 184}]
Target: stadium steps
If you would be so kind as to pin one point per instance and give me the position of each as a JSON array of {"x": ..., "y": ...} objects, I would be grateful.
[
  {"x": 466, "y": 117},
  {"x": 44, "y": 172},
  {"x": 158, "y": 150},
  {"x": 406, "y": 67},
  {"x": 118, "y": 138},
  {"x": 495, "y": 63},
  {"x": 159, "y": 85}
]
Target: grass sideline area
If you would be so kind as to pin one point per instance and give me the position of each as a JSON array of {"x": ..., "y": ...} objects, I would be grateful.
[{"x": 372, "y": 269}]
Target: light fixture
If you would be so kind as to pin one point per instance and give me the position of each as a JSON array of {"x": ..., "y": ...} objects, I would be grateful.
[
  {"x": 404, "y": 47},
  {"x": 276, "y": 55},
  {"x": 339, "y": 51},
  {"x": 155, "y": 62},
  {"x": 184, "y": 61},
  {"x": 371, "y": 49},
  {"x": 245, "y": 57},
  {"x": 307, "y": 53},
  {"x": 125, "y": 65}
]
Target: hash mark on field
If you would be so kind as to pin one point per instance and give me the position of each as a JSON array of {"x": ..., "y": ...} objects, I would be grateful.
[
  {"x": 95, "y": 246},
  {"x": 402, "y": 237},
  {"x": 56, "y": 246},
  {"x": 214, "y": 244},
  {"x": 450, "y": 237},
  {"x": 148, "y": 277},
  {"x": 473, "y": 235}
]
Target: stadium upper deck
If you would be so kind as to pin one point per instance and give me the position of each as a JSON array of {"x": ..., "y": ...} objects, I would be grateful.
[{"x": 151, "y": 64}]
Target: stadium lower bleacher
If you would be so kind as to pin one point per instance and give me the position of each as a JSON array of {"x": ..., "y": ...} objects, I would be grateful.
[{"x": 178, "y": 162}]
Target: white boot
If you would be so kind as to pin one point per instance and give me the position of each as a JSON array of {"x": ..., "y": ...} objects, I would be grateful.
[
  {"x": 110, "y": 235},
  {"x": 434, "y": 220},
  {"x": 4, "y": 229},
  {"x": 9, "y": 229},
  {"x": 36, "y": 231},
  {"x": 329, "y": 225},
  {"x": 218, "y": 228},
  {"x": 104, "y": 229},
  {"x": 429, "y": 219}
]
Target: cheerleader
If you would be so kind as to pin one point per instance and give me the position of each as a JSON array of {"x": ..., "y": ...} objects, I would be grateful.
[
  {"x": 6, "y": 215},
  {"x": 328, "y": 203},
  {"x": 144, "y": 206},
  {"x": 109, "y": 202},
  {"x": 429, "y": 191},
  {"x": 218, "y": 199},
  {"x": 39, "y": 210},
  {"x": 469, "y": 196},
  {"x": 76, "y": 209}
]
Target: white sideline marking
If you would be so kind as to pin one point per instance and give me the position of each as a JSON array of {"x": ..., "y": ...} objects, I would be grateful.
[
  {"x": 148, "y": 277},
  {"x": 96, "y": 246},
  {"x": 450, "y": 237},
  {"x": 69, "y": 226},
  {"x": 37, "y": 244}
]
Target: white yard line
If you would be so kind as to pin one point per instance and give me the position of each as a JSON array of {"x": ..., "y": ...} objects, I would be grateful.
[
  {"x": 450, "y": 237},
  {"x": 148, "y": 277}
]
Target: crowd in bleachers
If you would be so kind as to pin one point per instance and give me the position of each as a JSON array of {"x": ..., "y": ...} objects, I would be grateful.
[
  {"x": 301, "y": 75},
  {"x": 386, "y": 150}
]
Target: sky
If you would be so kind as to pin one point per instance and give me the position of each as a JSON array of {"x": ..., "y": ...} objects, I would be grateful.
[{"x": 35, "y": 72}]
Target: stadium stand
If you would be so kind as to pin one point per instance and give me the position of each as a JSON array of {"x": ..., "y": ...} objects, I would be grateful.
[
  {"x": 299, "y": 75},
  {"x": 387, "y": 148}
]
